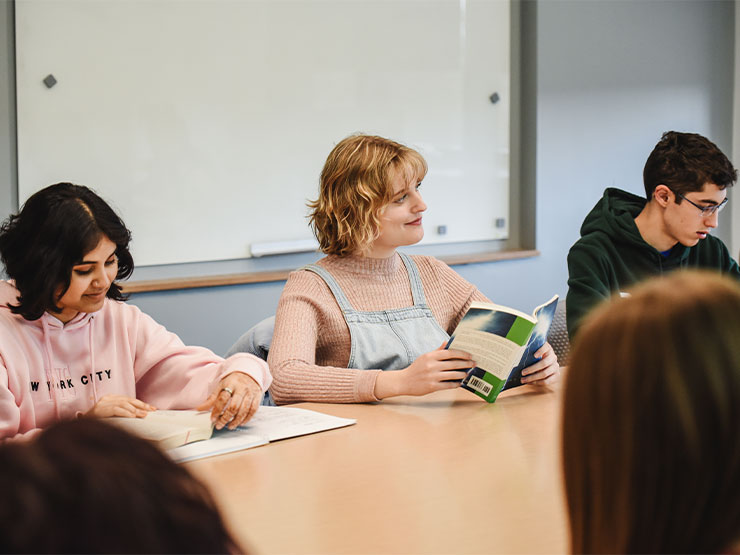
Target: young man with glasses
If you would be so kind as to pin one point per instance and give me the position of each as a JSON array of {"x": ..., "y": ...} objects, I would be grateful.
[{"x": 626, "y": 238}]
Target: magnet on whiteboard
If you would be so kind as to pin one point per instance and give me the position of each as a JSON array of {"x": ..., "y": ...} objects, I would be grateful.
[
  {"x": 50, "y": 81},
  {"x": 494, "y": 98},
  {"x": 441, "y": 230}
]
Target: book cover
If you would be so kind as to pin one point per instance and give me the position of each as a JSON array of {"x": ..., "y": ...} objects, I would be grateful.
[{"x": 502, "y": 341}]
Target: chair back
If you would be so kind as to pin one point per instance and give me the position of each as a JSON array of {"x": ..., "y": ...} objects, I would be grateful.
[
  {"x": 558, "y": 336},
  {"x": 256, "y": 341}
]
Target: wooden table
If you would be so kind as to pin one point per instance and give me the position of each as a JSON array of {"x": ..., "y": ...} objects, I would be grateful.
[{"x": 444, "y": 473}]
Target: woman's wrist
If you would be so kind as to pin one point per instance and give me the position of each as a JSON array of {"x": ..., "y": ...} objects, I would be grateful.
[{"x": 389, "y": 384}]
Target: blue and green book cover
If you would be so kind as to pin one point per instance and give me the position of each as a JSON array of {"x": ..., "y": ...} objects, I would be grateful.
[{"x": 503, "y": 342}]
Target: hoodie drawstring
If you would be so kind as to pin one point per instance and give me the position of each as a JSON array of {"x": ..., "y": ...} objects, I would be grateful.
[
  {"x": 92, "y": 358},
  {"x": 50, "y": 367}
]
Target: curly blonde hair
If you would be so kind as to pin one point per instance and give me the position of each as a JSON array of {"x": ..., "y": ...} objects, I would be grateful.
[{"x": 354, "y": 188}]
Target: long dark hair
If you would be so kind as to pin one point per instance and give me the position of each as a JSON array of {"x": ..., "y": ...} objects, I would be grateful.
[
  {"x": 651, "y": 420},
  {"x": 86, "y": 486},
  {"x": 54, "y": 230}
]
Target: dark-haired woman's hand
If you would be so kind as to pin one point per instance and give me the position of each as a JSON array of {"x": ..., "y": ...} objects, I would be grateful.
[
  {"x": 235, "y": 400},
  {"x": 544, "y": 372},
  {"x": 120, "y": 405}
]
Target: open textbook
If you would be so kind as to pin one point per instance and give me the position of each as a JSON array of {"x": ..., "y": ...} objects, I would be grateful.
[
  {"x": 187, "y": 435},
  {"x": 503, "y": 342}
]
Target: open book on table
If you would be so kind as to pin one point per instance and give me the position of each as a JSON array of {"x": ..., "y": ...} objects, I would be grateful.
[
  {"x": 188, "y": 435},
  {"x": 502, "y": 342}
]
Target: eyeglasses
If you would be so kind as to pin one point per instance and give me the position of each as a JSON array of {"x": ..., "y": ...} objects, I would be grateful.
[{"x": 707, "y": 211}]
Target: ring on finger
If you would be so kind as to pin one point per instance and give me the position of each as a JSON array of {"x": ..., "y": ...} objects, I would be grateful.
[{"x": 228, "y": 390}]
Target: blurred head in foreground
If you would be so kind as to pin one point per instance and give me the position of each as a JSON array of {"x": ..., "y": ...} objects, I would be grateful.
[
  {"x": 651, "y": 420},
  {"x": 84, "y": 486}
]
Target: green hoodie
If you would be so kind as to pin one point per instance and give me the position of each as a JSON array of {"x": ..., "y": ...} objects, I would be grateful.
[{"x": 611, "y": 255}]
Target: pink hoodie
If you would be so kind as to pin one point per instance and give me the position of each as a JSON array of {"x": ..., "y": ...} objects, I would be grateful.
[{"x": 50, "y": 371}]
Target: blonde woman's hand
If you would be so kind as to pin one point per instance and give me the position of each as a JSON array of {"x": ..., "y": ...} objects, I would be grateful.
[
  {"x": 432, "y": 371},
  {"x": 235, "y": 400},
  {"x": 120, "y": 405},
  {"x": 544, "y": 372}
]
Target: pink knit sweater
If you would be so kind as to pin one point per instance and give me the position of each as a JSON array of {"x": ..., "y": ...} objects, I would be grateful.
[{"x": 311, "y": 346}]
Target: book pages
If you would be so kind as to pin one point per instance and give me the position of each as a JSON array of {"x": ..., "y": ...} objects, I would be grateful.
[{"x": 168, "y": 428}]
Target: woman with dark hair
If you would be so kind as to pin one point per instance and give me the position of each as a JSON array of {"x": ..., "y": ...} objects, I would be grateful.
[
  {"x": 651, "y": 421},
  {"x": 85, "y": 486},
  {"x": 69, "y": 346}
]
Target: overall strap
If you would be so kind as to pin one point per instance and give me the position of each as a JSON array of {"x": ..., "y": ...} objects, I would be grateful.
[
  {"x": 336, "y": 290},
  {"x": 417, "y": 290}
]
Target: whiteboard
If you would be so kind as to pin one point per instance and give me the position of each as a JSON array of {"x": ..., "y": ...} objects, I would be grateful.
[{"x": 206, "y": 122}]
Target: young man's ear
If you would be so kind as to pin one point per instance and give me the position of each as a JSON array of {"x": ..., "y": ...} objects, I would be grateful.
[{"x": 663, "y": 195}]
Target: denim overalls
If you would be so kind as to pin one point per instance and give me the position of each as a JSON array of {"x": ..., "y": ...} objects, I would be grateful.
[{"x": 388, "y": 339}]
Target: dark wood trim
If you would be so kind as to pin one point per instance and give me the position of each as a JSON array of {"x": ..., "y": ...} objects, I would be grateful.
[
  {"x": 460, "y": 259},
  {"x": 146, "y": 286}
]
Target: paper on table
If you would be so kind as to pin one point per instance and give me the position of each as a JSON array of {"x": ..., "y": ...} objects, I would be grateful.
[
  {"x": 268, "y": 424},
  {"x": 274, "y": 423}
]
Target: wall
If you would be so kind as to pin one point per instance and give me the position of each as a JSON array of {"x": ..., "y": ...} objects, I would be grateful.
[
  {"x": 612, "y": 77},
  {"x": 8, "y": 175},
  {"x": 600, "y": 82}
]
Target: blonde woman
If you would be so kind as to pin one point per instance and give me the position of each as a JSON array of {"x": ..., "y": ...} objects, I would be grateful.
[
  {"x": 365, "y": 308},
  {"x": 651, "y": 422}
]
